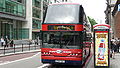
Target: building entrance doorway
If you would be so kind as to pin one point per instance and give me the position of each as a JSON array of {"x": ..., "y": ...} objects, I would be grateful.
[{"x": 6, "y": 29}]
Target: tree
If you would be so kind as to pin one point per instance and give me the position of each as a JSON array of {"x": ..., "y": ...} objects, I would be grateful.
[{"x": 92, "y": 21}]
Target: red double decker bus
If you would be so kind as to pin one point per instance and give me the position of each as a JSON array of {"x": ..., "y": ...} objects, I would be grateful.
[{"x": 66, "y": 35}]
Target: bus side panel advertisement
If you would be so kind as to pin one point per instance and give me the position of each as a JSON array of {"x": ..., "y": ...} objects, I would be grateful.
[{"x": 101, "y": 48}]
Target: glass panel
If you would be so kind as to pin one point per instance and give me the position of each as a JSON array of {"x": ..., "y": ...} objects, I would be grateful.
[
  {"x": 20, "y": 1},
  {"x": 36, "y": 24},
  {"x": 6, "y": 30},
  {"x": 21, "y": 33},
  {"x": 12, "y": 7},
  {"x": 2, "y": 3},
  {"x": 36, "y": 13},
  {"x": 25, "y": 33},
  {"x": 65, "y": 40},
  {"x": 51, "y": 40},
  {"x": 62, "y": 14},
  {"x": 20, "y": 10},
  {"x": 70, "y": 40},
  {"x": 36, "y": 3},
  {"x": 15, "y": 33},
  {"x": 11, "y": 31}
]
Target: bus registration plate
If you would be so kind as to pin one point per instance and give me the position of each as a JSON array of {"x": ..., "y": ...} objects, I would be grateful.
[{"x": 60, "y": 61}]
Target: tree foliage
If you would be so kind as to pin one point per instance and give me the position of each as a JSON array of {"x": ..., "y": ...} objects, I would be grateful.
[{"x": 92, "y": 21}]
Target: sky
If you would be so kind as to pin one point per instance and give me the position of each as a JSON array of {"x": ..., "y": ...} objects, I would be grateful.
[{"x": 94, "y": 8}]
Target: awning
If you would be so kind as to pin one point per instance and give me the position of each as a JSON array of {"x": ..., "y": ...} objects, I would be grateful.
[{"x": 12, "y": 17}]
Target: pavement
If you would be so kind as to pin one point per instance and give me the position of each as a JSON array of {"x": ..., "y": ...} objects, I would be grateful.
[{"x": 114, "y": 63}]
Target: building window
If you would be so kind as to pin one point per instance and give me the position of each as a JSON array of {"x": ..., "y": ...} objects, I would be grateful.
[
  {"x": 21, "y": 33},
  {"x": 2, "y": 2},
  {"x": 36, "y": 3},
  {"x": 36, "y": 13},
  {"x": 25, "y": 33},
  {"x": 12, "y": 7},
  {"x": 9, "y": 7},
  {"x": 20, "y": 1},
  {"x": 36, "y": 24}
]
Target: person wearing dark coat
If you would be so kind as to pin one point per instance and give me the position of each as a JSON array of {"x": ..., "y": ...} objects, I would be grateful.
[
  {"x": 113, "y": 49},
  {"x": 6, "y": 42}
]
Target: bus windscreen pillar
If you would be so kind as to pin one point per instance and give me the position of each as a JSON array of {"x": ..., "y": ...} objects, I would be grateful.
[{"x": 101, "y": 46}]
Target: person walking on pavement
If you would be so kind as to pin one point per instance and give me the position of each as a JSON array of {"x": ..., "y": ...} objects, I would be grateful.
[
  {"x": 113, "y": 48},
  {"x": 118, "y": 45},
  {"x": 11, "y": 43},
  {"x": 2, "y": 41},
  {"x": 6, "y": 41},
  {"x": 36, "y": 43}
]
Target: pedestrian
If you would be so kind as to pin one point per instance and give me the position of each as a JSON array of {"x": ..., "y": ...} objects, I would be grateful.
[
  {"x": 113, "y": 48},
  {"x": 6, "y": 41},
  {"x": 30, "y": 42},
  {"x": 118, "y": 44},
  {"x": 2, "y": 41},
  {"x": 35, "y": 41},
  {"x": 38, "y": 40},
  {"x": 11, "y": 43}
]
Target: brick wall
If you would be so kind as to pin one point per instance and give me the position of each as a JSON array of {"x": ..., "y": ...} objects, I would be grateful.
[{"x": 117, "y": 25}]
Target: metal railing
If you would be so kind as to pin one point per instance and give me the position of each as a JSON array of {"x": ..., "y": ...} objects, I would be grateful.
[{"x": 18, "y": 48}]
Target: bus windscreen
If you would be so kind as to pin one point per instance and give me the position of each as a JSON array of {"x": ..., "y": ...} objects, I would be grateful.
[
  {"x": 62, "y": 14},
  {"x": 68, "y": 40}
]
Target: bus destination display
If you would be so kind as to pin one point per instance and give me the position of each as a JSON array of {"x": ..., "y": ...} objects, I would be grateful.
[{"x": 61, "y": 27}]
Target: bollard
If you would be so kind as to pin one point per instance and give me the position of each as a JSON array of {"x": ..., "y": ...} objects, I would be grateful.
[
  {"x": 35, "y": 46},
  {"x": 22, "y": 47},
  {"x": 14, "y": 48},
  {"x": 4, "y": 49},
  {"x": 29, "y": 47},
  {"x": 40, "y": 44}
]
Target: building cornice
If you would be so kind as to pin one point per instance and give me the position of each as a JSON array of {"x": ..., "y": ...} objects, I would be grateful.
[{"x": 11, "y": 16}]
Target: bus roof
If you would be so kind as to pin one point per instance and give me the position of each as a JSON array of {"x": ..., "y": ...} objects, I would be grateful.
[{"x": 65, "y": 4}]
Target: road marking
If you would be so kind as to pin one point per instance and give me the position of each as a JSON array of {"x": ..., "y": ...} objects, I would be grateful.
[
  {"x": 19, "y": 59},
  {"x": 44, "y": 65}
]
